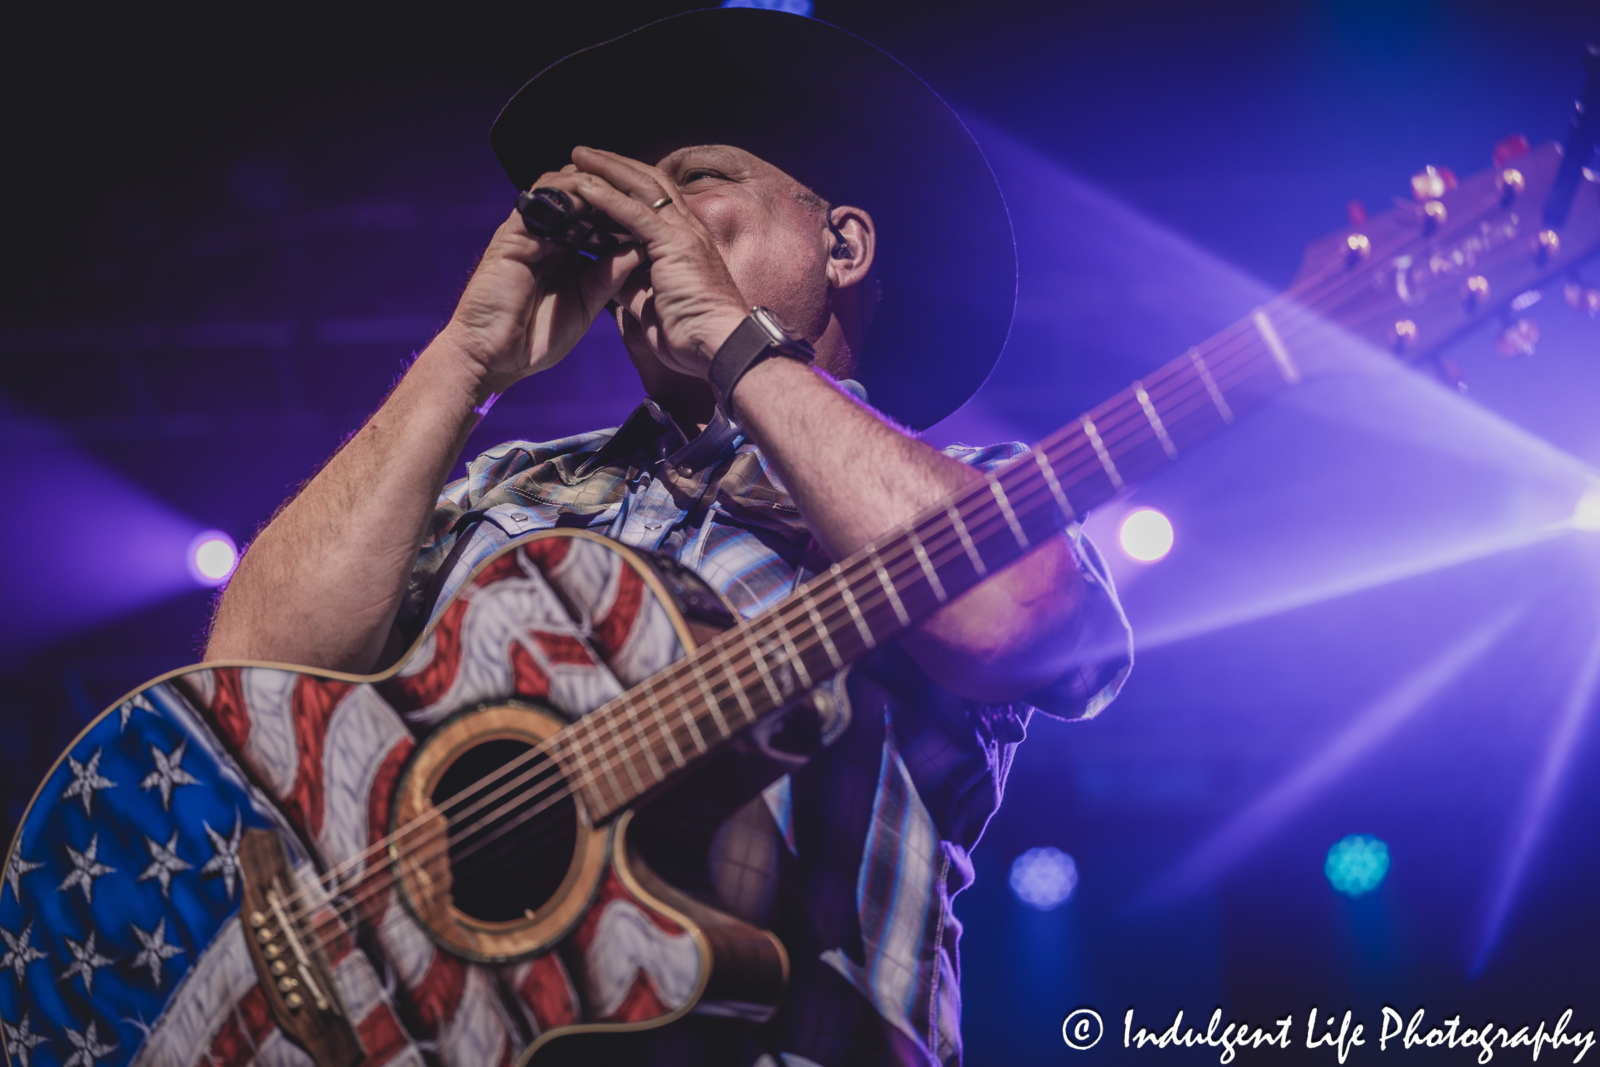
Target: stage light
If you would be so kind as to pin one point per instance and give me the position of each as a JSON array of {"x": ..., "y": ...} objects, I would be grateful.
[
  {"x": 1044, "y": 878},
  {"x": 1146, "y": 535},
  {"x": 794, "y": 7},
  {"x": 212, "y": 557},
  {"x": 1357, "y": 864},
  {"x": 1586, "y": 514}
]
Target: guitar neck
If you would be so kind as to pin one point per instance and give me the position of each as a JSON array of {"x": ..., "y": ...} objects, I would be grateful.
[{"x": 650, "y": 735}]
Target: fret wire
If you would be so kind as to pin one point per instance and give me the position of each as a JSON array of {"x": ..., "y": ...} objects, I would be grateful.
[
  {"x": 760, "y": 662},
  {"x": 1280, "y": 354},
  {"x": 888, "y": 588},
  {"x": 920, "y": 551},
  {"x": 1181, "y": 403},
  {"x": 923, "y": 562},
  {"x": 627, "y": 764},
  {"x": 656, "y": 773},
  {"x": 855, "y": 611},
  {"x": 605, "y": 767},
  {"x": 795, "y": 659},
  {"x": 1236, "y": 361},
  {"x": 576, "y": 756},
  {"x": 1211, "y": 386},
  {"x": 711, "y": 701},
  {"x": 1212, "y": 390},
  {"x": 1062, "y": 502},
  {"x": 687, "y": 716},
  {"x": 822, "y": 631},
  {"x": 1011, "y": 516},
  {"x": 817, "y": 620},
  {"x": 1170, "y": 374},
  {"x": 966, "y": 539},
  {"x": 1093, "y": 435},
  {"x": 734, "y": 680},
  {"x": 666, "y": 731},
  {"x": 1155, "y": 420},
  {"x": 927, "y": 568}
]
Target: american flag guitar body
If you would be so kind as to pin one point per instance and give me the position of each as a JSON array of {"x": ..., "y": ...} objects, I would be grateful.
[
  {"x": 456, "y": 861},
  {"x": 220, "y": 804}
]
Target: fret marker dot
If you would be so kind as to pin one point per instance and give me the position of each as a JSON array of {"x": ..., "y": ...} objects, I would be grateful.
[{"x": 1146, "y": 535}]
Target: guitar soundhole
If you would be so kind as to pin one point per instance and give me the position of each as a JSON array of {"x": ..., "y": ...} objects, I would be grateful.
[{"x": 512, "y": 833}]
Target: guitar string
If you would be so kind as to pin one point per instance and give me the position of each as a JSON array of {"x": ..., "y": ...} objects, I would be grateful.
[
  {"x": 876, "y": 601},
  {"x": 600, "y": 742},
  {"x": 545, "y": 767},
  {"x": 1131, "y": 420},
  {"x": 476, "y": 847},
  {"x": 578, "y": 752}
]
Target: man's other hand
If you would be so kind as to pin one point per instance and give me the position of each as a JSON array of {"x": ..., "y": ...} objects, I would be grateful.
[
  {"x": 531, "y": 300},
  {"x": 687, "y": 303}
]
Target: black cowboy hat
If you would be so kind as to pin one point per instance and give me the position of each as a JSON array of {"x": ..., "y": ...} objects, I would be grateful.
[{"x": 838, "y": 114}]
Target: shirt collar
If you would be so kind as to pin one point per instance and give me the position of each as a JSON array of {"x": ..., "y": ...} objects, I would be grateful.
[
  {"x": 651, "y": 436},
  {"x": 650, "y": 430}
]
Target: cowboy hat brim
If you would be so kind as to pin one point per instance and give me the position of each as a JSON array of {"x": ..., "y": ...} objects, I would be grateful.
[{"x": 841, "y": 116}]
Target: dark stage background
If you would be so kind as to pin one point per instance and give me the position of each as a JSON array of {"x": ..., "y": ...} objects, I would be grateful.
[{"x": 223, "y": 240}]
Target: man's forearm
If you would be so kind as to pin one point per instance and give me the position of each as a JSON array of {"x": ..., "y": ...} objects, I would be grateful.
[
  {"x": 855, "y": 478},
  {"x": 321, "y": 585}
]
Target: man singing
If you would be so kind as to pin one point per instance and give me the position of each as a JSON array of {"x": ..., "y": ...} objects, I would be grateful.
[{"x": 768, "y": 161}]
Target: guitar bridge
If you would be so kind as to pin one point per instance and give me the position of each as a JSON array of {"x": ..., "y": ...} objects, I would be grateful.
[{"x": 289, "y": 964}]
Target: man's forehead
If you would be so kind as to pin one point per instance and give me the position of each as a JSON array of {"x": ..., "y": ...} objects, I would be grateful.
[{"x": 724, "y": 155}]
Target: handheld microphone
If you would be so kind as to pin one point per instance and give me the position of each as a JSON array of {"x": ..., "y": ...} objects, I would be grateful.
[{"x": 550, "y": 215}]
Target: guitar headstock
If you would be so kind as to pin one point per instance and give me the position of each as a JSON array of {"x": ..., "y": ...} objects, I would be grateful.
[{"x": 1412, "y": 278}]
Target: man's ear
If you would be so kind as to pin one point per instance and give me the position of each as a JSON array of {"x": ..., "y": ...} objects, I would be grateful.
[{"x": 852, "y": 243}]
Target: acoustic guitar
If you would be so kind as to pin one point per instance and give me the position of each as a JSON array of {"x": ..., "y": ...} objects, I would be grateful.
[{"x": 455, "y": 861}]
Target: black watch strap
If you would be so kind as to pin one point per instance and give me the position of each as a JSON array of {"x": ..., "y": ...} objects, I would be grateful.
[{"x": 757, "y": 338}]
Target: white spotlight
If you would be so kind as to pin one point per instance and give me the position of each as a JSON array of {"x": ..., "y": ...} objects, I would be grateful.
[
  {"x": 1146, "y": 535},
  {"x": 212, "y": 556},
  {"x": 1586, "y": 514}
]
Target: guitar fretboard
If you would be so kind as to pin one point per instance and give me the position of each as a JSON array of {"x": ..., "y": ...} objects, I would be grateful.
[{"x": 658, "y": 730}]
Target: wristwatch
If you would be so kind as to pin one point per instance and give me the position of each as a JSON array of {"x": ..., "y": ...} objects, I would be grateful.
[{"x": 760, "y": 336}]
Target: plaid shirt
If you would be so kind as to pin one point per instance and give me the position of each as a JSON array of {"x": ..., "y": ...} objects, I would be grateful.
[{"x": 878, "y": 828}]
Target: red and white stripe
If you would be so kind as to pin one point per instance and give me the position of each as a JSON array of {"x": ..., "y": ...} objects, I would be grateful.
[{"x": 329, "y": 754}]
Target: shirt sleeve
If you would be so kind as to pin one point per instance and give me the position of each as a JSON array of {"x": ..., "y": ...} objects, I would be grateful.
[{"x": 1105, "y": 642}]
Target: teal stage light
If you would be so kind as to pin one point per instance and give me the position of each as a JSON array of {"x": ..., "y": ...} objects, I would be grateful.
[{"x": 1357, "y": 865}]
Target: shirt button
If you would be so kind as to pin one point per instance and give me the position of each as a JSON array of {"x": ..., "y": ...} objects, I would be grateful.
[{"x": 686, "y": 470}]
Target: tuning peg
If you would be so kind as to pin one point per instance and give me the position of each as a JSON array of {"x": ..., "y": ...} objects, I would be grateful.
[
  {"x": 1548, "y": 247},
  {"x": 1511, "y": 183},
  {"x": 1357, "y": 248},
  {"x": 1518, "y": 339},
  {"x": 1475, "y": 292},
  {"x": 1513, "y": 147},
  {"x": 1582, "y": 298},
  {"x": 1431, "y": 183},
  {"x": 1403, "y": 335}
]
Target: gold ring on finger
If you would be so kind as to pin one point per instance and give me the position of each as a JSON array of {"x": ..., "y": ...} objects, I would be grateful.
[{"x": 659, "y": 204}]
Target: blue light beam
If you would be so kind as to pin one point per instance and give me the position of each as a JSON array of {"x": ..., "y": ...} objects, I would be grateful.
[
  {"x": 95, "y": 545},
  {"x": 1271, "y": 811},
  {"x": 1537, "y": 805}
]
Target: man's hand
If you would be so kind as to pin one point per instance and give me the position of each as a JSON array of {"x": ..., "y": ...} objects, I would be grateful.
[
  {"x": 531, "y": 300},
  {"x": 687, "y": 302}
]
